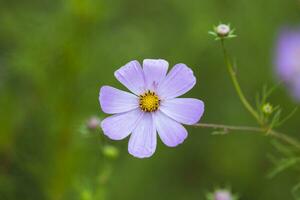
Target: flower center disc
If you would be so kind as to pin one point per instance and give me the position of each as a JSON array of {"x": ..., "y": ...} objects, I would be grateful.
[{"x": 149, "y": 102}]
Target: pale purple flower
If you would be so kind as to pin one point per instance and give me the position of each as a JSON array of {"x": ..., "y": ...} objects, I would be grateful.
[
  {"x": 152, "y": 108},
  {"x": 288, "y": 60}
]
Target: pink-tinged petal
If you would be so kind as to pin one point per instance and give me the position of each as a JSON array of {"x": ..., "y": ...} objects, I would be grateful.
[
  {"x": 142, "y": 143},
  {"x": 183, "y": 110},
  {"x": 179, "y": 81},
  {"x": 155, "y": 70},
  {"x": 119, "y": 126},
  {"x": 114, "y": 101},
  {"x": 170, "y": 132},
  {"x": 131, "y": 75}
]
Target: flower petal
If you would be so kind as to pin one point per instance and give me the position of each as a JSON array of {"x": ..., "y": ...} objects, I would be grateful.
[
  {"x": 170, "y": 132},
  {"x": 119, "y": 126},
  {"x": 183, "y": 110},
  {"x": 142, "y": 143},
  {"x": 114, "y": 101},
  {"x": 179, "y": 81},
  {"x": 287, "y": 55},
  {"x": 155, "y": 70},
  {"x": 131, "y": 75}
]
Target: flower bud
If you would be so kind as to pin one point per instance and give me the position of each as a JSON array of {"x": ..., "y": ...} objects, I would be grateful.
[
  {"x": 222, "y": 195},
  {"x": 267, "y": 108},
  {"x": 86, "y": 195},
  {"x": 110, "y": 151},
  {"x": 223, "y": 30},
  {"x": 93, "y": 123}
]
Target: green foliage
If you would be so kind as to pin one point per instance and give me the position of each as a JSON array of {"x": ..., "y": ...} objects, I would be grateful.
[
  {"x": 288, "y": 159},
  {"x": 268, "y": 114}
]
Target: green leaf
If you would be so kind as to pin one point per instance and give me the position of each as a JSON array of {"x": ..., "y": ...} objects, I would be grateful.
[
  {"x": 288, "y": 116},
  {"x": 282, "y": 165},
  {"x": 296, "y": 191}
]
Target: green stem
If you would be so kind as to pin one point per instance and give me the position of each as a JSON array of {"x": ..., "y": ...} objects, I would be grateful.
[
  {"x": 264, "y": 127},
  {"x": 229, "y": 127},
  {"x": 236, "y": 84},
  {"x": 283, "y": 137}
]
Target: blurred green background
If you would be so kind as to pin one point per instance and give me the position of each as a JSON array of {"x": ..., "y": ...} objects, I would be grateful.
[{"x": 56, "y": 54}]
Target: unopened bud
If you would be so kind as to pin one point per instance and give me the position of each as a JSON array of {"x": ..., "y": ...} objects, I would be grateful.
[
  {"x": 110, "y": 151},
  {"x": 86, "y": 195},
  {"x": 267, "y": 108},
  {"x": 223, "y": 195},
  {"x": 93, "y": 123},
  {"x": 223, "y": 30}
]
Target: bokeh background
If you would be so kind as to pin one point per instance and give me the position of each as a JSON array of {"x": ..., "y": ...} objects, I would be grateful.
[{"x": 56, "y": 54}]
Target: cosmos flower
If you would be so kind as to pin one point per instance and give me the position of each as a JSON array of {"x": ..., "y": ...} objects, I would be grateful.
[
  {"x": 288, "y": 60},
  {"x": 152, "y": 108}
]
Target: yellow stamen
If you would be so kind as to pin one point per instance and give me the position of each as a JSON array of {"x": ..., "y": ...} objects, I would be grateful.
[{"x": 149, "y": 102}]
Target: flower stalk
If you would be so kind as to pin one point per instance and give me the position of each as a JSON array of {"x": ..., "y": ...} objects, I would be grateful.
[
  {"x": 226, "y": 128},
  {"x": 236, "y": 84},
  {"x": 263, "y": 127}
]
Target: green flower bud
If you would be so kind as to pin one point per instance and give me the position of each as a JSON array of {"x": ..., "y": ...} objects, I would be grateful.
[
  {"x": 86, "y": 195},
  {"x": 267, "y": 108},
  {"x": 110, "y": 151}
]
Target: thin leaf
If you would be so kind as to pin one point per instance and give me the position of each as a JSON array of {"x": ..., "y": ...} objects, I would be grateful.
[
  {"x": 283, "y": 149},
  {"x": 275, "y": 119},
  {"x": 296, "y": 191},
  {"x": 283, "y": 165},
  {"x": 288, "y": 116}
]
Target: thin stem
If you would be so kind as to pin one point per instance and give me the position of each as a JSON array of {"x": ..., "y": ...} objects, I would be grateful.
[
  {"x": 285, "y": 138},
  {"x": 264, "y": 127},
  {"x": 229, "y": 127},
  {"x": 237, "y": 86}
]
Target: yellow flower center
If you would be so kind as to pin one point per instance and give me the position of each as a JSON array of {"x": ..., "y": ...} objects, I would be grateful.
[{"x": 149, "y": 102}]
